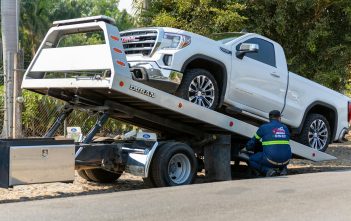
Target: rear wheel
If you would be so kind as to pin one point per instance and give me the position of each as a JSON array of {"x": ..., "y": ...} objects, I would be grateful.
[
  {"x": 83, "y": 174},
  {"x": 102, "y": 176},
  {"x": 173, "y": 164},
  {"x": 316, "y": 132},
  {"x": 148, "y": 181},
  {"x": 200, "y": 87}
]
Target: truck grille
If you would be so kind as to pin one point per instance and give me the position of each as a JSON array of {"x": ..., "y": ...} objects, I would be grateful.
[{"x": 139, "y": 41}]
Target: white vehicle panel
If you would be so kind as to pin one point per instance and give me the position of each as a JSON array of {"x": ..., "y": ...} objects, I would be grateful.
[
  {"x": 256, "y": 84},
  {"x": 302, "y": 93},
  {"x": 73, "y": 58}
]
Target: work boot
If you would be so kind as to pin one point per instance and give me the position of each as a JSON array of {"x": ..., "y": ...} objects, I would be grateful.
[
  {"x": 271, "y": 173},
  {"x": 284, "y": 172},
  {"x": 254, "y": 173}
]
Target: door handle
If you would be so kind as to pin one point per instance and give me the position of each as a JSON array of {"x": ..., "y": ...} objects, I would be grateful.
[{"x": 275, "y": 75}]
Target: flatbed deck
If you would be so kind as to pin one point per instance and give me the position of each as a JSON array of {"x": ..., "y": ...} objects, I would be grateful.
[{"x": 131, "y": 101}]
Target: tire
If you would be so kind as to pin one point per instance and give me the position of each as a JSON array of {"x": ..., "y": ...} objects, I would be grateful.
[
  {"x": 83, "y": 174},
  {"x": 173, "y": 164},
  {"x": 207, "y": 95},
  {"x": 316, "y": 132},
  {"x": 102, "y": 176},
  {"x": 149, "y": 182}
]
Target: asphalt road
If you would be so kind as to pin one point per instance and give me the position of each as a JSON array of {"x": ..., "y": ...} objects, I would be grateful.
[{"x": 319, "y": 196}]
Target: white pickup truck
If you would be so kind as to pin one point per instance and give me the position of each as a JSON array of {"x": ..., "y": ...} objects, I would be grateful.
[{"x": 241, "y": 74}]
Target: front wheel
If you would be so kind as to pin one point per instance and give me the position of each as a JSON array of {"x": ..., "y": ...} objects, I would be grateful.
[
  {"x": 316, "y": 132},
  {"x": 173, "y": 164},
  {"x": 200, "y": 87}
]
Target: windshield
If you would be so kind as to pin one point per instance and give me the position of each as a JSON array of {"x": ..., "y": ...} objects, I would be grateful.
[{"x": 226, "y": 37}]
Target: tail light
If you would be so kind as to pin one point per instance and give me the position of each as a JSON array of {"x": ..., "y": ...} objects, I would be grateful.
[{"x": 349, "y": 112}]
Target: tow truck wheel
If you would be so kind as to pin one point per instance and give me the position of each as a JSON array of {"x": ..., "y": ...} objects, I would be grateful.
[
  {"x": 316, "y": 132},
  {"x": 102, "y": 176},
  {"x": 200, "y": 87},
  {"x": 173, "y": 164},
  {"x": 149, "y": 182},
  {"x": 83, "y": 174}
]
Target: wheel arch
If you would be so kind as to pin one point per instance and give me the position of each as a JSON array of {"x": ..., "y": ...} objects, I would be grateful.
[
  {"x": 327, "y": 110},
  {"x": 216, "y": 67}
]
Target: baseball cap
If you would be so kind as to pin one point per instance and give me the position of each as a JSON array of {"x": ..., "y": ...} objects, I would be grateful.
[{"x": 274, "y": 114}]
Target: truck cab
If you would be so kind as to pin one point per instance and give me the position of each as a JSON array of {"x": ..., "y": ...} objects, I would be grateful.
[{"x": 259, "y": 79}]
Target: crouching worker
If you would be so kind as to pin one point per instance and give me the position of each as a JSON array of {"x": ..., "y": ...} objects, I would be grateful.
[{"x": 273, "y": 158}]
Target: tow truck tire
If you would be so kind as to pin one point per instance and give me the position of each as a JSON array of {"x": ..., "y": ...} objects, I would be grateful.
[
  {"x": 316, "y": 129},
  {"x": 149, "y": 182},
  {"x": 83, "y": 174},
  {"x": 173, "y": 164},
  {"x": 102, "y": 176},
  {"x": 200, "y": 87}
]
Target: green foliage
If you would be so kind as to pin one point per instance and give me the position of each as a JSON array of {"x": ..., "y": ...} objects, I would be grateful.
[
  {"x": 199, "y": 16},
  {"x": 80, "y": 39},
  {"x": 39, "y": 113},
  {"x": 316, "y": 36}
]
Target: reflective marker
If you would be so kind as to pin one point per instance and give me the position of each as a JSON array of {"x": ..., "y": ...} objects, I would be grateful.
[
  {"x": 117, "y": 50},
  {"x": 121, "y": 63},
  {"x": 114, "y": 38}
]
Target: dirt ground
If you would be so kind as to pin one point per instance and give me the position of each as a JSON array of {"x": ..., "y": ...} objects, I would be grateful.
[{"x": 130, "y": 182}]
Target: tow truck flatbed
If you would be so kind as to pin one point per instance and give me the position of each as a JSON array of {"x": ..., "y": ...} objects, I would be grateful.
[
  {"x": 134, "y": 102},
  {"x": 110, "y": 89}
]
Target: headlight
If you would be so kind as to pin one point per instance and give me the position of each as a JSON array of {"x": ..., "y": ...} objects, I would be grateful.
[{"x": 175, "y": 41}]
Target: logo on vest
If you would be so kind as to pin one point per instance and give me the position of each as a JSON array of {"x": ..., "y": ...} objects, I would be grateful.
[{"x": 279, "y": 132}]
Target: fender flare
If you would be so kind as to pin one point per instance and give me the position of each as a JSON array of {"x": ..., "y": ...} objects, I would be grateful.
[
  {"x": 321, "y": 103},
  {"x": 223, "y": 67}
]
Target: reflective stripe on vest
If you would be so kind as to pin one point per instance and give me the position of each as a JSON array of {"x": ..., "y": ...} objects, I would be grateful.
[
  {"x": 257, "y": 137},
  {"x": 275, "y": 142}
]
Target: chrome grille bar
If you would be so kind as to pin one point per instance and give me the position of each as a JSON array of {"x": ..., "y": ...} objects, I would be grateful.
[{"x": 139, "y": 41}]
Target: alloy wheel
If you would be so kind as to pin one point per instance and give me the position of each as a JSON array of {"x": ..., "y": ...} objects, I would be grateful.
[
  {"x": 202, "y": 91},
  {"x": 318, "y": 134}
]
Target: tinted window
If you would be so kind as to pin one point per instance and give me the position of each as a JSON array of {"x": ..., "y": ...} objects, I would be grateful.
[{"x": 265, "y": 54}]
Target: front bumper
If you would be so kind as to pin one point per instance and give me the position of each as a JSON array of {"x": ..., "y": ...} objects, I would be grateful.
[{"x": 151, "y": 74}]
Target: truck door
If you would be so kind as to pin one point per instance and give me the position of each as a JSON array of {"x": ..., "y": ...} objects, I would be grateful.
[{"x": 259, "y": 80}]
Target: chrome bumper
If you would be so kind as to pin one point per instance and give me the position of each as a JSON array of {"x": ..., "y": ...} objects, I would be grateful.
[{"x": 151, "y": 74}]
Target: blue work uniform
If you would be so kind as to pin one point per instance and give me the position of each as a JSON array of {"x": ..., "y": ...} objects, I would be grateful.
[{"x": 276, "y": 151}]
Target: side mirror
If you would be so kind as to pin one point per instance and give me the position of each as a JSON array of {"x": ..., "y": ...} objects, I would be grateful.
[{"x": 246, "y": 48}]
